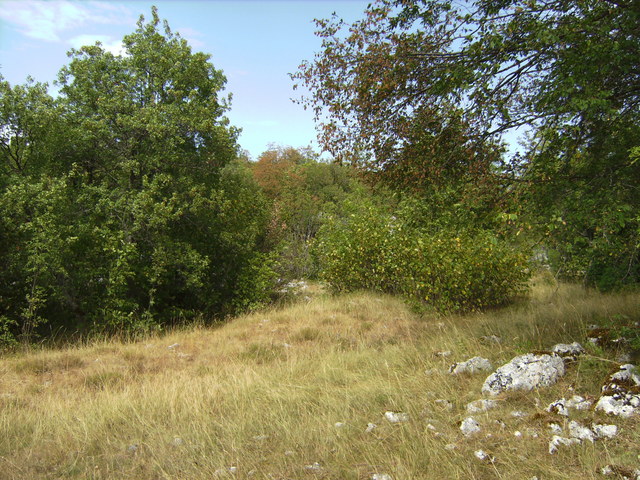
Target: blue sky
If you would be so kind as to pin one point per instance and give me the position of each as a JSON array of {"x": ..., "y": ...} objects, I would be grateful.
[{"x": 255, "y": 43}]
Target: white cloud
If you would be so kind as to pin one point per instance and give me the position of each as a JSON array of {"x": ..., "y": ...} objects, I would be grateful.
[
  {"x": 191, "y": 36},
  {"x": 48, "y": 21},
  {"x": 108, "y": 43}
]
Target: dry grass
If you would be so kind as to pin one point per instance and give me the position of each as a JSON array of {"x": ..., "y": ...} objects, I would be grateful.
[{"x": 263, "y": 394}]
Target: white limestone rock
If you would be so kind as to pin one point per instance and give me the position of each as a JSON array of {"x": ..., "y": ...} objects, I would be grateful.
[
  {"x": 469, "y": 426},
  {"x": 620, "y": 472},
  {"x": 483, "y": 456},
  {"x": 555, "y": 428},
  {"x": 525, "y": 372},
  {"x": 568, "y": 349},
  {"x": 604, "y": 431},
  {"x": 557, "y": 440},
  {"x": 473, "y": 365},
  {"x": 619, "y": 393},
  {"x": 314, "y": 467},
  {"x": 578, "y": 402},
  {"x": 482, "y": 405},
  {"x": 381, "y": 476},
  {"x": 579, "y": 431},
  {"x": 396, "y": 417}
]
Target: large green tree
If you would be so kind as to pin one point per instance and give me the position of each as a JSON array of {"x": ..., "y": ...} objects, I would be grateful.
[
  {"x": 435, "y": 85},
  {"x": 120, "y": 204}
]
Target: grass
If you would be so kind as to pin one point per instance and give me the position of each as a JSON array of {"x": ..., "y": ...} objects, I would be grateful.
[{"x": 260, "y": 396}]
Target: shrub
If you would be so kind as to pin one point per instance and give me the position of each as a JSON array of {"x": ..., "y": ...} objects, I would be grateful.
[{"x": 451, "y": 269}]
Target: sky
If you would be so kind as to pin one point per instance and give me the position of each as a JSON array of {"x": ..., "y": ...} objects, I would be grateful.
[{"x": 256, "y": 43}]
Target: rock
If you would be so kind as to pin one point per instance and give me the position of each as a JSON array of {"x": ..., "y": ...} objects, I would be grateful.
[
  {"x": 517, "y": 434},
  {"x": 559, "y": 407},
  {"x": 173, "y": 346},
  {"x": 578, "y": 402},
  {"x": 450, "y": 446},
  {"x": 314, "y": 467},
  {"x": 396, "y": 417},
  {"x": 132, "y": 448},
  {"x": 381, "y": 476},
  {"x": 518, "y": 414},
  {"x": 557, "y": 440},
  {"x": 624, "y": 473},
  {"x": 576, "y": 430},
  {"x": 483, "y": 456},
  {"x": 340, "y": 424},
  {"x": 481, "y": 405},
  {"x": 568, "y": 349},
  {"x": 442, "y": 353},
  {"x": 469, "y": 426},
  {"x": 525, "y": 372},
  {"x": 621, "y": 393},
  {"x": 555, "y": 428},
  {"x": 260, "y": 438},
  {"x": 473, "y": 365},
  {"x": 177, "y": 441},
  {"x": 604, "y": 431},
  {"x": 370, "y": 427}
]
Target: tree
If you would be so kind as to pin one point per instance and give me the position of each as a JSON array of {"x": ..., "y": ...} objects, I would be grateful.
[
  {"x": 121, "y": 205},
  {"x": 300, "y": 187},
  {"x": 410, "y": 73}
]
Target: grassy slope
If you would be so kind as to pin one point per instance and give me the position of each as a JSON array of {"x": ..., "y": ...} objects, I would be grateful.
[{"x": 264, "y": 392}]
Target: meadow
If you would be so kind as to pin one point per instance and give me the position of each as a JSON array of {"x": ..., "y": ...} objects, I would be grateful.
[{"x": 291, "y": 392}]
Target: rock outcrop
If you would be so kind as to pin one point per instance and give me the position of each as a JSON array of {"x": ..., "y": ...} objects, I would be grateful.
[{"x": 525, "y": 372}]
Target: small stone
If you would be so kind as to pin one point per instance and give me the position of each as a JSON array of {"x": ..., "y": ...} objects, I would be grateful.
[
  {"x": 370, "y": 427},
  {"x": 517, "y": 434},
  {"x": 481, "y": 405},
  {"x": 568, "y": 349},
  {"x": 396, "y": 417},
  {"x": 578, "y": 402},
  {"x": 289, "y": 453},
  {"x": 473, "y": 365},
  {"x": 177, "y": 441},
  {"x": 518, "y": 414},
  {"x": 557, "y": 440},
  {"x": 555, "y": 428},
  {"x": 605, "y": 431},
  {"x": 442, "y": 353},
  {"x": 315, "y": 467},
  {"x": 431, "y": 427},
  {"x": 469, "y": 426},
  {"x": 132, "y": 448},
  {"x": 260, "y": 438},
  {"x": 339, "y": 424},
  {"x": 173, "y": 346},
  {"x": 576, "y": 430},
  {"x": 483, "y": 456},
  {"x": 450, "y": 446},
  {"x": 381, "y": 476}
]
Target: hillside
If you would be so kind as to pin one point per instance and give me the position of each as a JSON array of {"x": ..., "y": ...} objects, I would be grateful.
[{"x": 291, "y": 393}]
